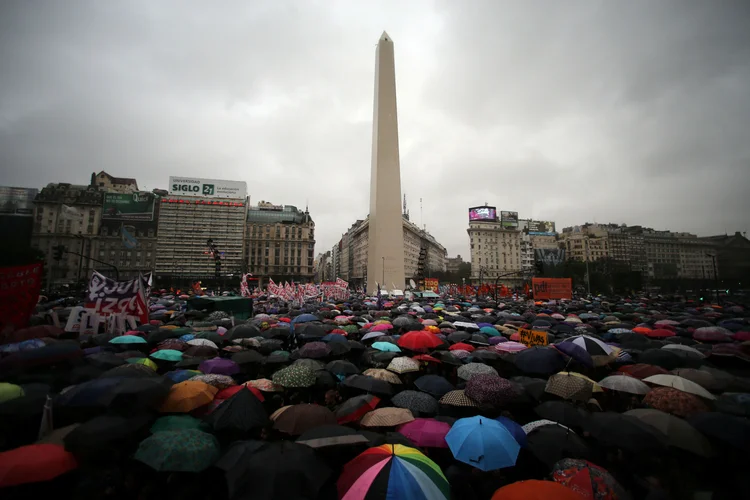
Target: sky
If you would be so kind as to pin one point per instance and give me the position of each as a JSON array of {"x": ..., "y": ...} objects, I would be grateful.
[{"x": 631, "y": 112}]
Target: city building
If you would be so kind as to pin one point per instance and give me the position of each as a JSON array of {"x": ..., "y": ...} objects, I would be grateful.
[
  {"x": 453, "y": 264},
  {"x": 495, "y": 252},
  {"x": 324, "y": 267},
  {"x": 67, "y": 215},
  {"x": 195, "y": 211},
  {"x": 353, "y": 253},
  {"x": 280, "y": 243},
  {"x": 109, "y": 184},
  {"x": 387, "y": 248},
  {"x": 589, "y": 242},
  {"x": 732, "y": 258},
  {"x": 17, "y": 216}
]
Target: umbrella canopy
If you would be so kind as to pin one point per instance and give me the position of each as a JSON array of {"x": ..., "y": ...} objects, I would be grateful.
[
  {"x": 34, "y": 463},
  {"x": 563, "y": 413},
  {"x": 589, "y": 479},
  {"x": 624, "y": 383},
  {"x": 403, "y": 364},
  {"x": 385, "y": 347},
  {"x": 534, "y": 489},
  {"x": 295, "y": 376},
  {"x": 386, "y": 417},
  {"x": 540, "y": 360},
  {"x": 568, "y": 386},
  {"x": 178, "y": 422},
  {"x": 552, "y": 442},
  {"x": 490, "y": 390},
  {"x": 725, "y": 429},
  {"x": 331, "y": 435},
  {"x": 482, "y": 443},
  {"x": 298, "y": 419},
  {"x": 382, "y": 374},
  {"x": 128, "y": 339},
  {"x": 419, "y": 341},
  {"x": 419, "y": 403},
  {"x": 679, "y": 383},
  {"x": 369, "y": 384},
  {"x": 270, "y": 470},
  {"x": 185, "y": 450},
  {"x": 392, "y": 471},
  {"x": 675, "y": 402},
  {"x": 426, "y": 432},
  {"x": 219, "y": 366},
  {"x": 467, "y": 371},
  {"x": 187, "y": 396},
  {"x": 457, "y": 398},
  {"x": 356, "y": 407},
  {"x": 626, "y": 432},
  {"x": 642, "y": 370},
  {"x": 434, "y": 385},
  {"x": 680, "y": 434},
  {"x": 242, "y": 412}
]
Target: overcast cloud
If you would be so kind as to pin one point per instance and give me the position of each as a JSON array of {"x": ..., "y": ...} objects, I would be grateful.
[{"x": 631, "y": 112}]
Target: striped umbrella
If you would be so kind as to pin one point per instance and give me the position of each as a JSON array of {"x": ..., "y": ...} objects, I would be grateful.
[{"x": 395, "y": 472}]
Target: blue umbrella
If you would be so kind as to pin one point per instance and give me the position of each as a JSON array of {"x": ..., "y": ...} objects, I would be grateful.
[
  {"x": 489, "y": 330},
  {"x": 576, "y": 352},
  {"x": 482, "y": 443},
  {"x": 186, "y": 337},
  {"x": 386, "y": 347},
  {"x": 515, "y": 429},
  {"x": 334, "y": 337},
  {"x": 305, "y": 318}
]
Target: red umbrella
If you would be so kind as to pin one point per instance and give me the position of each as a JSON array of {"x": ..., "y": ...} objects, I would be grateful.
[
  {"x": 462, "y": 346},
  {"x": 642, "y": 370},
  {"x": 426, "y": 358},
  {"x": 660, "y": 333},
  {"x": 420, "y": 340},
  {"x": 34, "y": 463},
  {"x": 231, "y": 391}
]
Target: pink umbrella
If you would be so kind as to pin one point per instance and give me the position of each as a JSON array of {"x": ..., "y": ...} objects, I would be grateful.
[
  {"x": 426, "y": 432},
  {"x": 510, "y": 347},
  {"x": 381, "y": 327}
]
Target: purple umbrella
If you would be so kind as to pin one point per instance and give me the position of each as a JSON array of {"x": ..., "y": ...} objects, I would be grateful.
[
  {"x": 426, "y": 432},
  {"x": 219, "y": 366}
]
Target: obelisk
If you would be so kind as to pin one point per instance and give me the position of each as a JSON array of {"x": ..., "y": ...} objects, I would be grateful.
[{"x": 385, "y": 253}]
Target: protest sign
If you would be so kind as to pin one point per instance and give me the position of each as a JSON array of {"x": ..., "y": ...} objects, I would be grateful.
[
  {"x": 83, "y": 320},
  {"x": 533, "y": 337},
  {"x": 552, "y": 288},
  {"x": 107, "y": 296}
]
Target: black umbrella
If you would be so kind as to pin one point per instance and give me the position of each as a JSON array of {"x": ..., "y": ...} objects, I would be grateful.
[
  {"x": 261, "y": 470},
  {"x": 244, "y": 331},
  {"x": 248, "y": 357},
  {"x": 664, "y": 358},
  {"x": 106, "y": 433},
  {"x": 341, "y": 367},
  {"x": 242, "y": 412},
  {"x": 447, "y": 358},
  {"x": 540, "y": 360},
  {"x": 626, "y": 432},
  {"x": 534, "y": 387},
  {"x": 130, "y": 370},
  {"x": 368, "y": 384},
  {"x": 434, "y": 385},
  {"x": 276, "y": 333},
  {"x": 419, "y": 403},
  {"x": 378, "y": 439},
  {"x": 105, "y": 360},
  {"x": 563, "y": 413},
  {"x": 550, "y": 443},
  {"x": 332, "y": 435},
  {"x": 729, "y": 429},
  {"x": 131, "y": 394}
]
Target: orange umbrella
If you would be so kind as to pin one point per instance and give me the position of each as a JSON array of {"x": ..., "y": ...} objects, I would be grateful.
[
  {"x": 536, "y": 490},
  {"x": 187, "y": 396}
]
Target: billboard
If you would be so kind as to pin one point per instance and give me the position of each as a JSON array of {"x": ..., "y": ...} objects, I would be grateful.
[
  {"x": 207, "y": 188},
  {"x": 17, "y": 201},
  {"x": 552, "y": 288},
  {"x": 509, "y": 219},
  {"x": 128, "y": 206},
  {"x": 432, "y": 284},
  {"x": 550, "y": 256},
  {"x": 541, "y": 227},
  {"x": 482, "y": 213}
]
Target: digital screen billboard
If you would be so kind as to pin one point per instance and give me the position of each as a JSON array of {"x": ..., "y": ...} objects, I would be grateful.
[
  {"x": 128, "y": 207},
  {"x": 541, "y": 227},
  {"x": 17, "y": 201},
  {"x": 482, "y": 213},
  {"x": 509, "y": 219}
]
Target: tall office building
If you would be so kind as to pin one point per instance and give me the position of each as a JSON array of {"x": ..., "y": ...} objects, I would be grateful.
[{"x": 385, "y": 232}]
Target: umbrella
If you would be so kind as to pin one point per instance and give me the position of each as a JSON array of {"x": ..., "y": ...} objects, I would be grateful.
[
  {"x": 382, "y": 374},
  {"x": 511, "y": 346},
  {"x": 248, "y": 357},
  {"x": 355, "y": 408},
  {"x": 624, "y": 383},
  {"x": 219, "y": 381},
  {"x": 392, "y": 471},
  {"x": 420, "y": 341},
  {"x": 295, "y": 376},
  {"x": 181, "y": 375},
  {"x": 674, "y": 401},
  {"x": 331, "y": 435},
  {"x": 564, "y": 413},
  {"x": 491, "y": 390},
  {"x": 550, "y": 443},
  {"x": 167, "y": 355},
  {"x": 536, "y": 490},
  {"x": 680, "y": 434},
  {"x": 219, "y": 366},
  {"x": 386, "y": 417},
  {"x": 265, "y": 385},
  {"x": 128, "y": 339},
  {"x": 594, "y": 347},
  {"x": 34, "y": 463},
  {"x": 298, "y": 419},
  {"x": 341, "y": 367},
  {"x": 426, "y": 432},
  {"x": 728, "y": 429},
  {"x": 466, "y": 372},
  {"x": 482, "y": 443},
  {"x": 457, "y": 398},
  {"x": 625, "y": 431},
  {"x": 187, "y": 396},
  {"x": 177, "y": 422},
  {"x": 419, "y": 403},
  {"x": 184, "y": 450},
  {"x": 369, "y": 384},
  {"x": 403, "y": 364},
  {"x": 103, "y": 433},
  {"x": 9, "y": 391},
  {"x": 434, "y": 385},
  {"x": 641, "y": 370},
  {"x": 242, "y": 412},
  {"x": 569, "y": 387},
  {"x": 588, "y": 479},
  {"x": 314, "y": 350},
  {"x": 260, "y": 469},
  {"x": 703, "y": 378},
  {"x": 679, "y": 383},
  {"x": 532, "y": 426},
  {"x": 734, "y": 403},
  {"x": 539, "y": 360}
]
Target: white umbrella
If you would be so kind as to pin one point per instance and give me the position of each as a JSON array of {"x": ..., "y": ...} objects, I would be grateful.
[
  {"x": 624, "y": 383},
  {"x": 679, "y": 383},
  {"x": 205, "y": 342}
]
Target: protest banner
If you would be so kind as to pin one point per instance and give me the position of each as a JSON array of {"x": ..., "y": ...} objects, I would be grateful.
[
  {"x": 533, "y": 337},
  {"x": 19, "y": 294},
  {"x": 107, "y": 296},
  {"x": 83, "y": 320},
  {"x": 552, "y": 288}
]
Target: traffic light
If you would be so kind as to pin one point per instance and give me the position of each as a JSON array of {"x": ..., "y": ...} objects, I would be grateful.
[{"x": 58, "y": 252}]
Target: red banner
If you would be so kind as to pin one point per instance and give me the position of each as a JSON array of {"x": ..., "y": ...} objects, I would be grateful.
[
  {"x": 552, "y": 288},
  {"x": 19, "y": 294}
]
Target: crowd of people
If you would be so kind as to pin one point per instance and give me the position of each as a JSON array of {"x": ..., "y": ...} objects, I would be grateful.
[{"x": 590, "y": 398}]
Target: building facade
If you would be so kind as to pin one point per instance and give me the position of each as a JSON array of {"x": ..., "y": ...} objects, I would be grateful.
[
  {"x": 589, "y": 242},
  {"x": 495, "y": 252},
  {"x": 280, "y": 243},
  {"x": 353, "y": 253},
  {"x": 453, "y": 264},
  {"x": 110, "y": 184}
]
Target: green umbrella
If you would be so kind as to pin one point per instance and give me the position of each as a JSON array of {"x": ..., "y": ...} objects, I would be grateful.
[
  {"x": 177, "y": 423},
  {"x": 10, "y": 391},
  {"x": 128, "y": 339},
  {"x": 296, "y": 375},
  {"x": 185, "y": 450},
  {"x": 167, "y": 355}
]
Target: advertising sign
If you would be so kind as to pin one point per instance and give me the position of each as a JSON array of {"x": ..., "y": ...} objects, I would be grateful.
[
  {"x": 541, "y": 227},
  {"x": 550, "y": 256},
  {"x": 432, "y": 284},
  {"x": 207, "y": 188},
  {"x": 17, "y": 201},
  {"x": 509, "y": 219},
  {"x": 552, "y": 288},
  {"x": 482, "y": 213},
  {"x": 533, "y": 337},
  {"x": 128, "y": 207}
]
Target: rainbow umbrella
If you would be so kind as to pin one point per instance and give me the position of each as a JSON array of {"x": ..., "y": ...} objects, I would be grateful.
[{"x": 392, "y": 471}]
